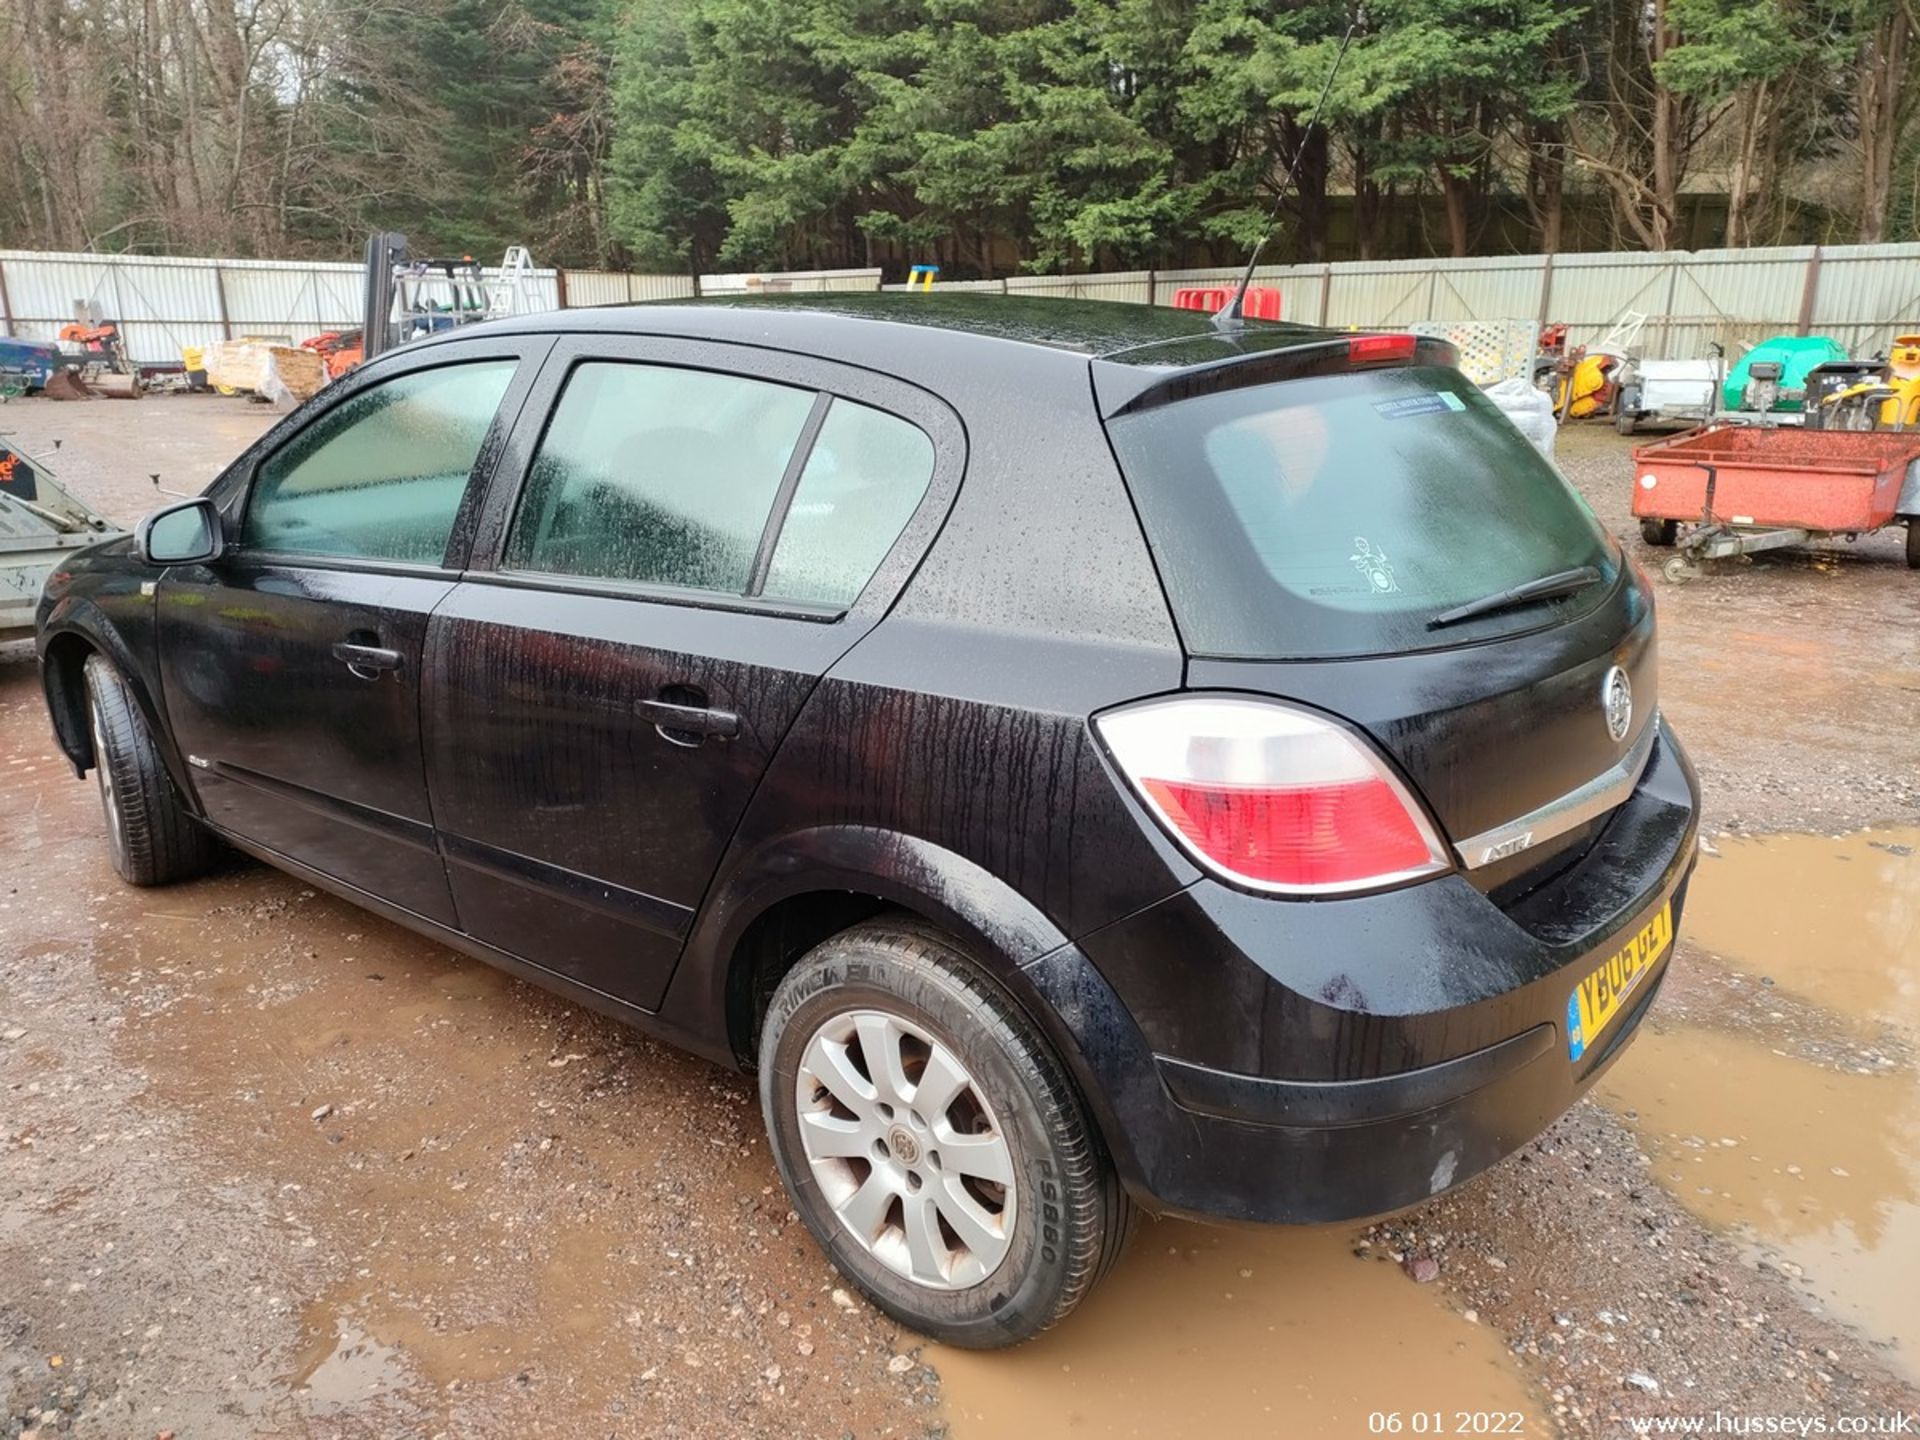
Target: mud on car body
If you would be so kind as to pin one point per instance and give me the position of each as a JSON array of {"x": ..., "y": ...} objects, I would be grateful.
[{"x": 1081, "y": 760}]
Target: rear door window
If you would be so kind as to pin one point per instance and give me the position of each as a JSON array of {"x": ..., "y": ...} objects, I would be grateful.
[
  {"x": 380, "y": 476},
  {"x": 657, "y": 475},
  {"x": 698, "y": 480},
  {"x": 1337, "y": 515}
]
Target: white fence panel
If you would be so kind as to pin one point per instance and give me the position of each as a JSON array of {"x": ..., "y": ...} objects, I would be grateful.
[
  {"x": 596, "y": 287},
  {"x": 280, "y": 300},
  {"x": 1862, "y": 295},
  {"x": 1502, "y": 288},
  {"x": 1866, "y": 294},
  {"x": 1369, "y": 294},
  {"x": 1134, "y": 286},
  {"x": 660, "y": 287},
  {"x": 164, "y": 303},
  {"x": 616, "y": 287},
  {"x": 1591, "y": 292},
  {"x": 1732, "y": 298},
  {"x": 749, "y": 282}
]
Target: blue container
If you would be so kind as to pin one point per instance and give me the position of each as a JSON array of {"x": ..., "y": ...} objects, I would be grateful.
[{"x": 30, "y": 361}]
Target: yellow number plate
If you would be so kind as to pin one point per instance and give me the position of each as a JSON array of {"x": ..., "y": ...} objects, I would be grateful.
[{"x": 1597, "y": 1000}]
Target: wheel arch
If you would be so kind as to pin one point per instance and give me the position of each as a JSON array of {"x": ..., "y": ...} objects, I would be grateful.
[
  {"x": 777, "y": 902},
  {"x": 774, "y": 904},
  {"x": 70, "y": 637},
  {"x": 63, "y": 667}
]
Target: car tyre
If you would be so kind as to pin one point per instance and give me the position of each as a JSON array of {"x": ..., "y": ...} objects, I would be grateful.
[
  {"x": 855, "y": 1035},
  {"x": 1659, "y": 532},
  {"x": 1913, "y": 544},
  {"x": 151, "y": 836}
]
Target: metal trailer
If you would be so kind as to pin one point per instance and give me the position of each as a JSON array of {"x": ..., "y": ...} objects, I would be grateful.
[
  {"x": 1742, "y": 488},
  {"x": 1668, "y": 390},
  {"x": 41, "y": 523}
]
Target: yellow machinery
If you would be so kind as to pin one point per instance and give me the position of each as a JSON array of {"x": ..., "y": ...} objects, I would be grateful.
[
  {"x": 1887, "y": 402},
  {"x": 1588, "y": 378},
  {"x": 1588, "y": 389}
]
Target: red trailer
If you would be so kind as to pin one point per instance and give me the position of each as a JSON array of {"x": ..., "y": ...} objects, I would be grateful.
[{"x": 1758, "y": 487}]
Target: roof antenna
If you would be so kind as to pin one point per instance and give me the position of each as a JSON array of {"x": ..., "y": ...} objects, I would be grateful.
[{"x": 1229, "y": 315}]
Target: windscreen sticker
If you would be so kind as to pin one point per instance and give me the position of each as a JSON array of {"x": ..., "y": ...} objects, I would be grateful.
[
  {"x": 1438, "y": 403},
  {"x": 1374, "y": 565}
]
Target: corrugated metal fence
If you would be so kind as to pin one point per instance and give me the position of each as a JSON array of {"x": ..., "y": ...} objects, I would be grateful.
[
  {"x": 163, "y": 304},
  {"x": 1859, "y": 294}
]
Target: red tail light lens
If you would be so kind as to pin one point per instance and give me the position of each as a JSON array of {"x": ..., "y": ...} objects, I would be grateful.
[
  {"x": 1381, "y": 349},
  {"x": 1272, "y": 797}
]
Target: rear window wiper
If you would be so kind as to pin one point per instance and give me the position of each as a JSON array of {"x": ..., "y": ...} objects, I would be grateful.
[{"x": 1561, "y": 582}]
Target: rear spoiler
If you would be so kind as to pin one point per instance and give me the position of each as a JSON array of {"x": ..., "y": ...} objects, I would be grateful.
[{"x": 1152, "y": 375}]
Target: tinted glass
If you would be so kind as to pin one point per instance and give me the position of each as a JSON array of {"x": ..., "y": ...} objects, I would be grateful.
[
  {"x": 863, "y": 478},
  {"x": 380, "y": 477},
  {"x": 658, "y": 475},
  {"x": 1337, "y": 515}
]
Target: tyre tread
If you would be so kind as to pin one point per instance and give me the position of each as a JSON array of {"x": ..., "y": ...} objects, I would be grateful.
[
  {"x": 161, "y": 840},
  {"x": 1103, "y": 1215}
]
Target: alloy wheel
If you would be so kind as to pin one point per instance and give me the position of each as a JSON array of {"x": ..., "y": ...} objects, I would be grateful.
[
  {"x": 103, "y": 773},
  {"x": 906, "y": 1149}
]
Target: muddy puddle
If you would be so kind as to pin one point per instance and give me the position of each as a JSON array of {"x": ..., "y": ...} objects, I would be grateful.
[
  {"x": 1229, "y": 1330},
  {"x": 1814, "y": 1158},
  {"x": 489, "y": 1202},
  {"x": 1836, "y": 921}
]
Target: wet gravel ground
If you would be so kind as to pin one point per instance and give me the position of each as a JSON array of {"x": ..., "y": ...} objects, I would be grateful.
[{"x": 270, "y": 1167}]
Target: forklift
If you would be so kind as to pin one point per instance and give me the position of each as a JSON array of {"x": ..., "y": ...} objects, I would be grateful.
[{"x": 407, "y": 299}]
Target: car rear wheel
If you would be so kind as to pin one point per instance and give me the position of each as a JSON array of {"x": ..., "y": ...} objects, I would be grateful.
[
  {"x": 1913, "y": 544},
  {"x": 1659, "y": 532},
  {"x": 931, "y": 1140},
  {"x": 151, "y": 837}
]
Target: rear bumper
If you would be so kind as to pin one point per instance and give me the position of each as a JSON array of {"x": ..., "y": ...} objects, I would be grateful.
[
  {"x": 1385, "y": 1053},
  {"x": 1341, "y": 1150}
]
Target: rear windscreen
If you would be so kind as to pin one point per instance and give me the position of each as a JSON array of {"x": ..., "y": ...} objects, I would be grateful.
[{"x": 1338, "y": 515}]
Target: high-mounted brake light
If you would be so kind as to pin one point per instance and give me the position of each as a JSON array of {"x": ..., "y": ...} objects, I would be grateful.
[
  {"x": 1272, "y": 797},
  {"x": 1381, "y": 349}
]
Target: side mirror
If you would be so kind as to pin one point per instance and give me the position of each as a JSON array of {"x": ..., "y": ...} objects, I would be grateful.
[{"x": 184, "y": 534}]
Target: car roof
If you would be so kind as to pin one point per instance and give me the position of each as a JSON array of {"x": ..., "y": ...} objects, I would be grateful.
[
  {"x": 1095, "y": 329},
  {"x": 952, "y": 343}
]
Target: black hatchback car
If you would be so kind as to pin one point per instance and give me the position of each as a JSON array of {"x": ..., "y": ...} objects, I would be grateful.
[{"x": 1082, "y": 760}]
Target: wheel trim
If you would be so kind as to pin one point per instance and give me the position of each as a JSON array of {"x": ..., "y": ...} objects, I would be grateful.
[
  {"x": 906, "y": 1149},
  {"x": 103, "y": 774}
]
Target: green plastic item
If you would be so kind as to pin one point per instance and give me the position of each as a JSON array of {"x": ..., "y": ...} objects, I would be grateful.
[{"x": 1796, "y": 354}]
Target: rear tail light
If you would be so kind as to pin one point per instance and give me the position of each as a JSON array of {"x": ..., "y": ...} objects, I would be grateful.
[{"x": 1272, "y": 797}]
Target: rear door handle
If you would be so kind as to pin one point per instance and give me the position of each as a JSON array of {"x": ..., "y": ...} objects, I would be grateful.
[
  {"x": 366, "y": 661},
  {"x": 693, "y": 722}
]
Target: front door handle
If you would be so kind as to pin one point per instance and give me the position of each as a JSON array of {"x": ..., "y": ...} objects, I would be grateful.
[
  {"x": 366, "y": 661},
  {"x": 688, "y": 724}
]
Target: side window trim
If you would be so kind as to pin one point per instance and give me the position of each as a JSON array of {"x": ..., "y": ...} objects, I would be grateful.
[
  {"x": 233, "y": 490},
  {"x": 833, "y": 379},
  {"x": 783, "y": 497}
]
